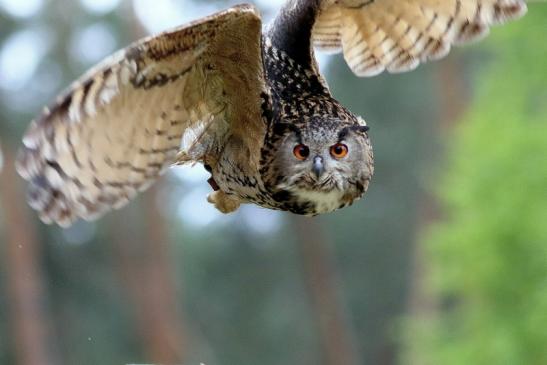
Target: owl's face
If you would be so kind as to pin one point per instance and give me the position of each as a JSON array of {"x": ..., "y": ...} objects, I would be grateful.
[{"x": 321, "y": 165}]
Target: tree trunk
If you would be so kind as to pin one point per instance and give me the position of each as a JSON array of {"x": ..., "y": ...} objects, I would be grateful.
[
  {"x": 25, "y": 288},
  {"x": 147, "y": 271},
  {"x": 453, "y": 99},
  {"x": 336, "y": 335}
]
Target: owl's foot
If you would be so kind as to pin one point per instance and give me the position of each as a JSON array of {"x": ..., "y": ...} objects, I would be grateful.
[{"x": 223, "y": 202}]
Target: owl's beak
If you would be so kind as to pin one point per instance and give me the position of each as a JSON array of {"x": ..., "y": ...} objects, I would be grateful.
[{"x": 318, "y": 168}]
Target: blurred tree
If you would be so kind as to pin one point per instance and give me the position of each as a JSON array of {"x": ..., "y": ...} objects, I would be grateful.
[
  {"x": 453, "y": 95},
  {"x": 30, "y": 328},
  {"x": 324, "y": 289},
  {"x": 488, "y": 256},
  {"x": 146, "y": 268}
]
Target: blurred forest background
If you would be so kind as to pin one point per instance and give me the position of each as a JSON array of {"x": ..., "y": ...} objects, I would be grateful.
[{"x": 443, "y": 262}]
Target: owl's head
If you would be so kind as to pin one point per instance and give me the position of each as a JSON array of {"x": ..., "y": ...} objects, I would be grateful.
[{"x": 317, "y": 166}]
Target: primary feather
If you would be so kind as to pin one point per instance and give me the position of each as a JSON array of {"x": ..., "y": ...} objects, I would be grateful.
[{"x": 397, "y": 35}]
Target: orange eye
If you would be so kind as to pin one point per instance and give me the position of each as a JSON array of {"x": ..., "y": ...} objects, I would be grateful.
[
  {"x": 339, "y": 150},
  {"x": 301, "y": 152}
]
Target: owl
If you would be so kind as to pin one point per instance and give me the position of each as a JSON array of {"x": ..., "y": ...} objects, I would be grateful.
[{"x": 246, "y": 101}]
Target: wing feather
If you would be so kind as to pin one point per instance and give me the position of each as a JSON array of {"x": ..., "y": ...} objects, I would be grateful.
[
  {"x": 394, "y": 35},
  {"x": 162, "y": 100}
]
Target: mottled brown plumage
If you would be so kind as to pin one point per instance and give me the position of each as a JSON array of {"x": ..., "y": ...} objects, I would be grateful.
[{"x": 223, "y": 92}]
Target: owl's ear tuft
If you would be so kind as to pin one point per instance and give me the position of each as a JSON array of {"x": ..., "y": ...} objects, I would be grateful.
[
  {"x": 360, "y": 128},
  {"x": 356, "y": 128}
]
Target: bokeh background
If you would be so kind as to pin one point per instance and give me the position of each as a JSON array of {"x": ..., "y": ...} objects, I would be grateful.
[{"x": 443, "y": 262}]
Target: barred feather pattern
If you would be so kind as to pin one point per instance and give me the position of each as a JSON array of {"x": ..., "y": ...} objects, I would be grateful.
[
  {"x": 81, "y": 163},
  {"x": 395, "y": 35},
  {"x": 159, "y": 102}
]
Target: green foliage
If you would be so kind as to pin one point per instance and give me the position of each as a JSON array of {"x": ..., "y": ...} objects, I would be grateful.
[{"x": 489, "y": 255}]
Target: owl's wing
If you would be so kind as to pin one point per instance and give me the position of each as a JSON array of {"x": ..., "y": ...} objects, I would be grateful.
[
  {"x": 395, "y": 35},
  {"x": 166, "y": 99}
]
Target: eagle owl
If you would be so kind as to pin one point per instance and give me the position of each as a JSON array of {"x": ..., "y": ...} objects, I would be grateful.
[{"x": 245, "y": 101}]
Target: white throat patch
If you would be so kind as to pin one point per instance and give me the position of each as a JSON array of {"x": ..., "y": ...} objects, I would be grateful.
[{"x": 324, "y": 201}]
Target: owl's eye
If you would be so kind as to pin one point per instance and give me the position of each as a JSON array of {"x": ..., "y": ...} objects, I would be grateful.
[
  {"x": 339, "y": 150},
  {"x": 301, "y": 152}
]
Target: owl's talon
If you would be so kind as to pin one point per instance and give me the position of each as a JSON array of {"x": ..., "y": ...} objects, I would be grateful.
[
  {"x": 223, "y": 202},
  {"x": 213, "y": 184}
]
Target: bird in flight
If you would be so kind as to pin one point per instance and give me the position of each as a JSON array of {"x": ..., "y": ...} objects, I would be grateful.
[{"x": 246, "y": 101}]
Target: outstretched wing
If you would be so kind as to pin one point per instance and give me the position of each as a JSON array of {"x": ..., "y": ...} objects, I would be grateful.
[
  {"x": 397, "y": 35},
  {"x": 169, "y": 98}
]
